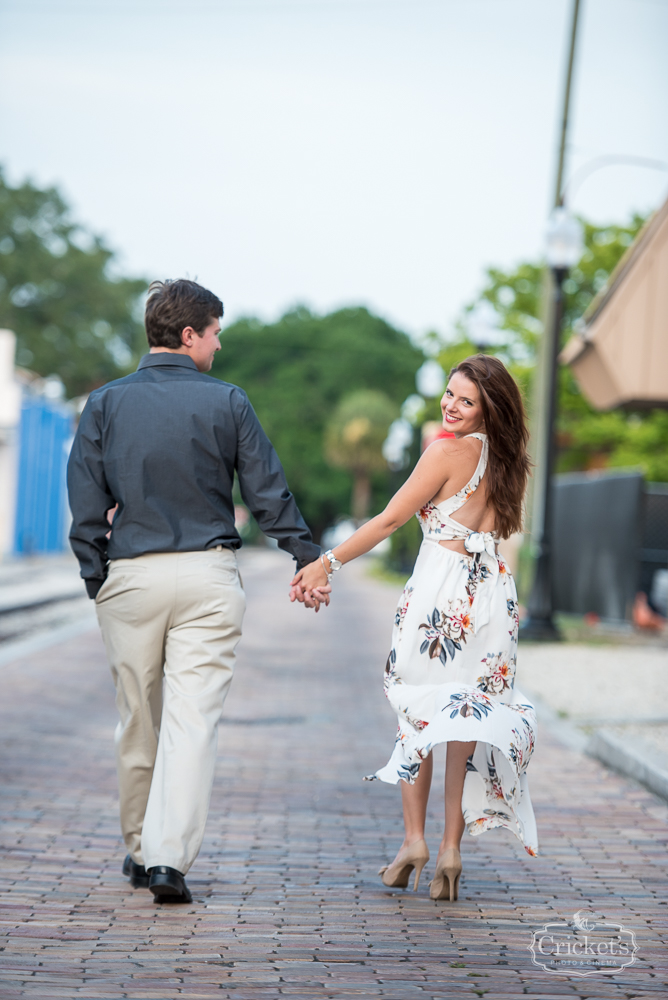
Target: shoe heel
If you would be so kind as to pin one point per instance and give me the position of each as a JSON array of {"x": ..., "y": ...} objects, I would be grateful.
[
  {"x": 419, "y": 865},
  {"x": 452, "y": 875},
  {"x": 445, "y": 884},
  {"x": 397, "y": 875}
]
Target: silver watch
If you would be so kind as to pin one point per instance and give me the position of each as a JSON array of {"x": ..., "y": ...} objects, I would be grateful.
[{"x": 334, "y": 563}]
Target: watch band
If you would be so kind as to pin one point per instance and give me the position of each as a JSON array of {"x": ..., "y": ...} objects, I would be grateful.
[{"x": 334, "y": 563}]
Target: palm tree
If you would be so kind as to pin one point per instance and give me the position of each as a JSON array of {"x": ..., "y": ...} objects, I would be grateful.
[{"x": 354, "y": 440}]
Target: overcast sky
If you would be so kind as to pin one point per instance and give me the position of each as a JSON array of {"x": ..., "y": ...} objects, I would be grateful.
[{"x": 330, "y": 152}]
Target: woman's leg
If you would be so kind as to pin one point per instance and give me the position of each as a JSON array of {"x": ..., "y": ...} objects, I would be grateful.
[
  {"x": 414, "y": 800},
  {"x": 413, "y": 853},
  {"x": 455, "y": 772}
]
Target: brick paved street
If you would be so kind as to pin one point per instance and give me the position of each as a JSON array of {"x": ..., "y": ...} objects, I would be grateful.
[{"x": 287, "y": 902}]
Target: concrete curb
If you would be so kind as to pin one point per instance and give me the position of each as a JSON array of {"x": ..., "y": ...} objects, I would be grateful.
[
  {"x": 630, "y": 759},
  {"x": 633, "y": 759},
  {"x": 26, "y": 598},
  {"x": 566, "y": 731},
  {"x": 26, "y": 647}
]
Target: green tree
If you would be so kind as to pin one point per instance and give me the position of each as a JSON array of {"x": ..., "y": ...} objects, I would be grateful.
[
  {"x": 587, "y": 438},
  {"x": 296, "y": 371},
  {"x": 354, "y": 440},
  {"x": 72, "y": 316}
]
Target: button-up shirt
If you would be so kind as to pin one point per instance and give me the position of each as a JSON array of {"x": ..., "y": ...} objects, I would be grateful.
[{"x": 164, "y": 444}]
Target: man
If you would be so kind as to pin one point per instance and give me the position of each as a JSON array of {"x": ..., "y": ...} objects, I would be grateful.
[{"x": 162, "y": 446}]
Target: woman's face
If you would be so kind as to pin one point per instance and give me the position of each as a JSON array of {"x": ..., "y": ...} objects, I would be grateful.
[{"x": 462, "y": 412}]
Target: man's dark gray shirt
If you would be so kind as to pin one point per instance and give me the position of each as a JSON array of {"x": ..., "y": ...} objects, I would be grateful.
[{"x": 163, "y": 444}]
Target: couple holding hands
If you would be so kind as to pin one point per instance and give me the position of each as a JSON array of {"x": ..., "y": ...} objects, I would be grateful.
[{"x": 163, "y": 445}]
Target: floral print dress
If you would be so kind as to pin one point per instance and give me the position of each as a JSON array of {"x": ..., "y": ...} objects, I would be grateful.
[{"x": 450, "y": 674}]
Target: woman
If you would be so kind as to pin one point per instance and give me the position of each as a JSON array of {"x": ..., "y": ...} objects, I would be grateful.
[{"x": 450, "y": 673}]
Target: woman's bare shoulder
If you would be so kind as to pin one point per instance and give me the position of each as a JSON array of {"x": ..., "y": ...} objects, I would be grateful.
[
  {"x": 456, "y": 448},
  {"x": 446, "y": 455}
]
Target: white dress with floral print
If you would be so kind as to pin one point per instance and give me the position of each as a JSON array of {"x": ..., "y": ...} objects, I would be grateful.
[{"x": 450, "y": 674}]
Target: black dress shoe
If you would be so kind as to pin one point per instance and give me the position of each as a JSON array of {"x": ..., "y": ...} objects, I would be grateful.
[
  {"x": 168, "y": 885},
  {"x": 136, "y": 873}
]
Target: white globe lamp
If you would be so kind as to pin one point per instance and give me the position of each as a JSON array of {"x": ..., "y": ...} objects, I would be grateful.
[
  {"x": 563, "y": 240},
  {"x": 430, "y": 379}
]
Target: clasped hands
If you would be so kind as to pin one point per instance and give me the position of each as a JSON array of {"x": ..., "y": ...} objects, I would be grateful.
[{"x": 310, "y": 586}]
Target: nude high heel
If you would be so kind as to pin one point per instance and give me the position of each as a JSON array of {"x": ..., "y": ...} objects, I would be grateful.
[
  {"x": 445, "y": 883},
  {"x": 396, "y": 875}
]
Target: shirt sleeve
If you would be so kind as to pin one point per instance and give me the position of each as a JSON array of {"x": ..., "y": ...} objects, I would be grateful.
[
  {"x": 264, "y": 487},
  {"x": 89, "y": 498}
]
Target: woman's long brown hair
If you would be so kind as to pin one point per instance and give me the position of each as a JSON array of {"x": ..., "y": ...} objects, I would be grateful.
[{"x": 507, "y": 435}]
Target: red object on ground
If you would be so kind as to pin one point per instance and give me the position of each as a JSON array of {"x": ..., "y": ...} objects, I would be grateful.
[{"x": 644, "y": 616}]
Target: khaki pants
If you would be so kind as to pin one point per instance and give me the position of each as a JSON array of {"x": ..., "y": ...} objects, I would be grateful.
[{"x": 170, "y": 623}]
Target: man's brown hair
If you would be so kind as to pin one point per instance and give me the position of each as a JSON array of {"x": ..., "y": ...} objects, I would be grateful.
[{"x": 173, "y": 305}]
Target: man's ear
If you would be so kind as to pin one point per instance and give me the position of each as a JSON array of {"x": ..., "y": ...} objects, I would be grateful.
[{"x": 187, "y": 335}]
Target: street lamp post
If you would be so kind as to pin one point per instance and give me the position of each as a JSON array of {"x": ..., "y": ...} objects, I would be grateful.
[{"x": 564, "y": 247}]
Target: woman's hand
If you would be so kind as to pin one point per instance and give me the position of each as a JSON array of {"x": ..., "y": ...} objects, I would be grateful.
[{"x": 311, "y": 576}]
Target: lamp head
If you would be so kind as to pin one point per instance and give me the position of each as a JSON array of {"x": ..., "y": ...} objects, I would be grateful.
[
  {"x": 563, "y": 240},
  {"x": 482, "y": 327},
  {"x": 430, "y": 379}
]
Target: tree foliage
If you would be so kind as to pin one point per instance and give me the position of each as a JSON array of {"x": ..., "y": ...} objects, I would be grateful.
[
  {"x": 354, "y": 439},
  {"x": 587, "y": 438},
  {"x": 72, "y": 318},
  {"x": 296, "y": 371}
]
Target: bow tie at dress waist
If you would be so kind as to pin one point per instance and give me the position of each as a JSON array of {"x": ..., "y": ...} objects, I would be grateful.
[
  {"x": 482, "y": 546},
  {"x": 481, "y": 541},
  {"x": 450, "y": 531}
]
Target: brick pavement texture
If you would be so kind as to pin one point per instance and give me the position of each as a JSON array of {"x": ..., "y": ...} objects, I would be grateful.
[{"x": 287, "y": 902}]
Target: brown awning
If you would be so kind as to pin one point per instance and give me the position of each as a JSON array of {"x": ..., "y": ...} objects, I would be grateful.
[{"x": 620, "y": 358}]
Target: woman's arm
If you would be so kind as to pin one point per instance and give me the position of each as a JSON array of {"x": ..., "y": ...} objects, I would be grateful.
[{"x": 428, "y": 477}]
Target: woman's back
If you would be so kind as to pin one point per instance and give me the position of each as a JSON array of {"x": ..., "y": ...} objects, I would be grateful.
[{"x": 475, "y": 512}]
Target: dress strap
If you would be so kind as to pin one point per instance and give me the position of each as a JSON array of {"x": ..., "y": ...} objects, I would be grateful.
[{"x": 453, "y": 503}]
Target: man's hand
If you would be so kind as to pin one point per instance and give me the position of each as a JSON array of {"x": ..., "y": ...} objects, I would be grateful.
[
  {"x": 310, "y": 586},
  {"x": 312, "y": 599}
]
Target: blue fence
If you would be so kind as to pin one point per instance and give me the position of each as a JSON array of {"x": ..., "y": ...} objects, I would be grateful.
[{"x": 41, "y": 508}]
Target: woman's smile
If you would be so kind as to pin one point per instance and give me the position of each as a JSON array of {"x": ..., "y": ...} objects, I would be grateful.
[{"x": 466, "y": 415}]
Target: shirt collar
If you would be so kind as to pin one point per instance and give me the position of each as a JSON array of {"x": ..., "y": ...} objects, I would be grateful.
[{"x": 162, "y": 358}]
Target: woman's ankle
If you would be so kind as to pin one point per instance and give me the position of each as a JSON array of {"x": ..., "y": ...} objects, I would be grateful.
[
  {"x": 413, "y": 838},
  {"x": 449, "y": 845}
]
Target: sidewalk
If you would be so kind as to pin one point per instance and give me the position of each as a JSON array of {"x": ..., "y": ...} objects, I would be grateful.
[
  {"x": 609, "y": 700},
  {"x": 39, "y": 594},
  {"x": 29, "y": 581},
  {"x": 287, "y": 902}
]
